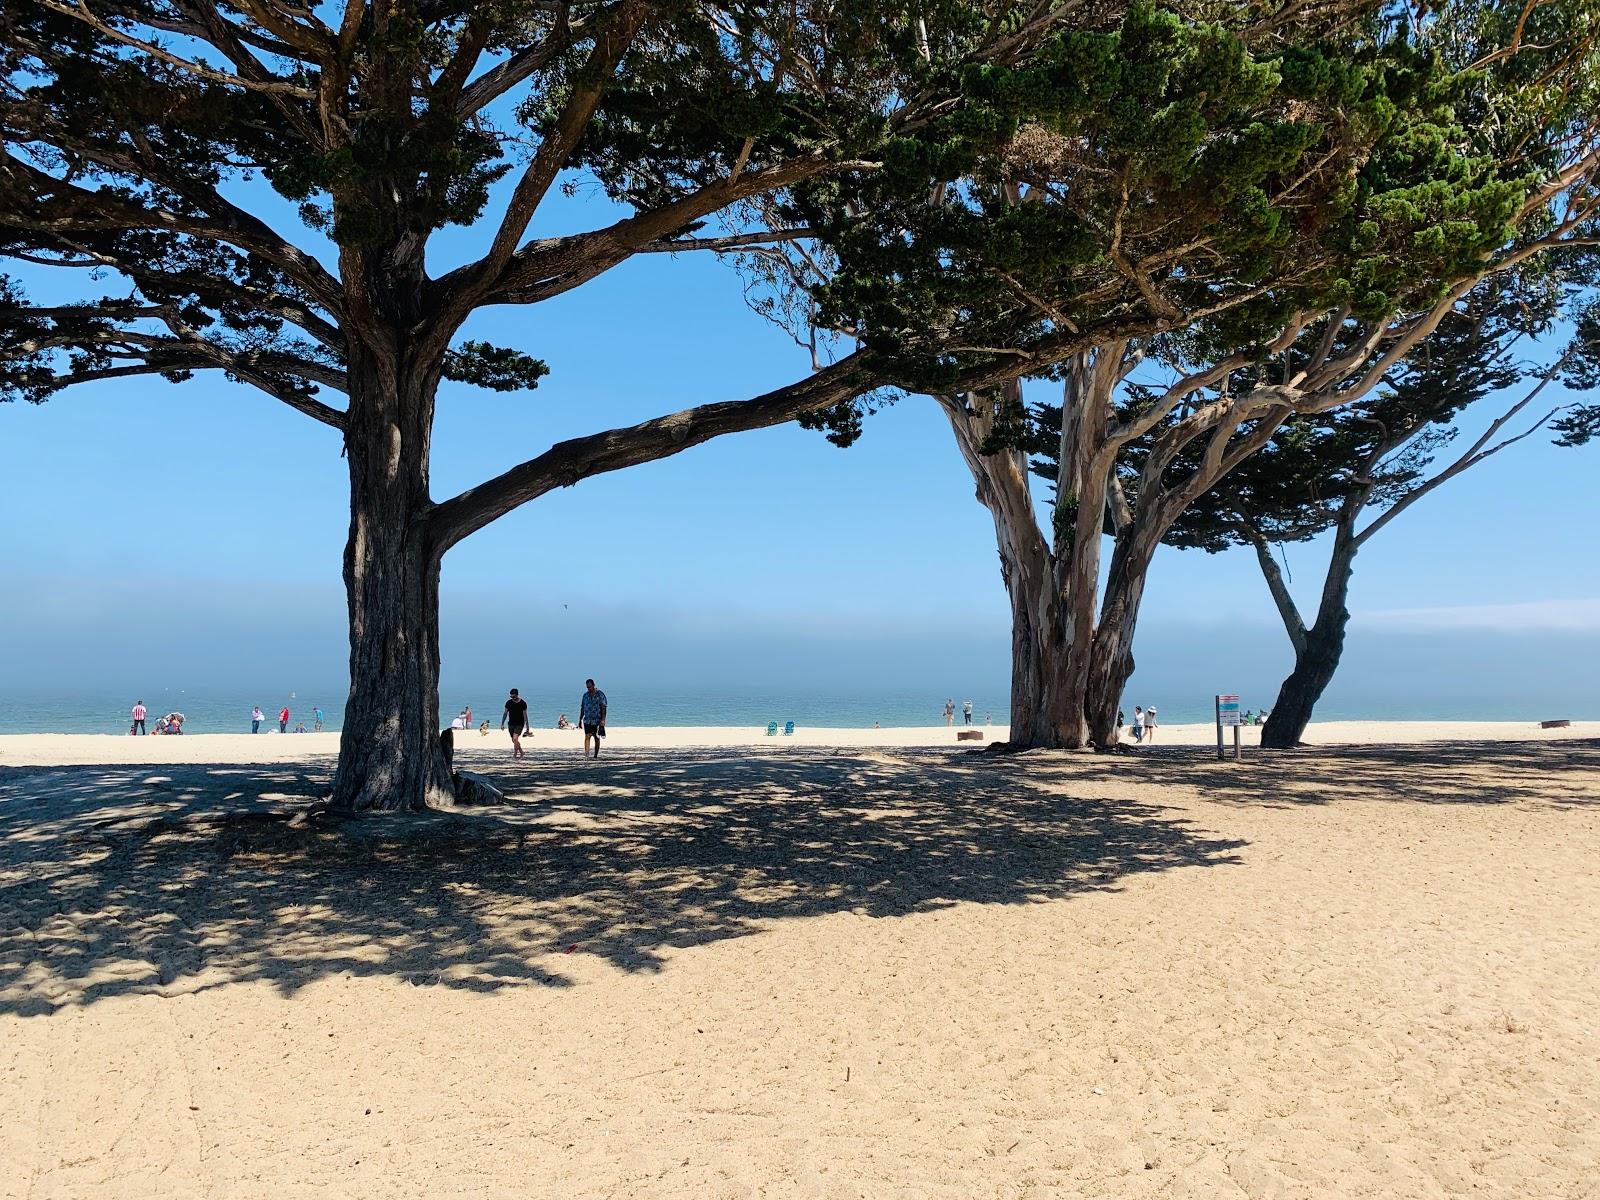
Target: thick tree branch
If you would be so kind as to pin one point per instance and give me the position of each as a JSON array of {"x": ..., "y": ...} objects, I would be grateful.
[
  {"x": 618, "y": 27},
  {"x": 79, "y": 10},
  {"x": 523, "y": 64},
  {"x": 60, "y": 208},
  {"x": 735, "y": 241},
  {"x": 565, "y": 463},
  {"x": 1293, "y": 623},
  {"x": 548, "y": 267}
]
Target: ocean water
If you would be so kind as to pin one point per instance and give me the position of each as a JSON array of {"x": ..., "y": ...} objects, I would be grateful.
[{"x": 228, "y": 710}]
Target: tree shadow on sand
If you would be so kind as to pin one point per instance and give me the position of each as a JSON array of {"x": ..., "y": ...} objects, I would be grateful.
[
  {"x": 1557, "y": 774},
  {"x": 117, "y": 881}
]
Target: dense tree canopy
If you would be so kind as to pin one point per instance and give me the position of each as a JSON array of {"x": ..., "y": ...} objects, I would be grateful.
[{"x": 1445, "y": 149}]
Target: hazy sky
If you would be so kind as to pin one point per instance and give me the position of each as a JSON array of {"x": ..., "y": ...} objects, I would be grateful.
[{"x": 196, "y": 531}]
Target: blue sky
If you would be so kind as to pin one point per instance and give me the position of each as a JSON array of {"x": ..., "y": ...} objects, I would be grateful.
[{"x": 198, "y": 529}]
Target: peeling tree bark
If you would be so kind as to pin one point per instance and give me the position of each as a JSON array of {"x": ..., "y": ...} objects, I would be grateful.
[{"x": 1041, "y": 712}]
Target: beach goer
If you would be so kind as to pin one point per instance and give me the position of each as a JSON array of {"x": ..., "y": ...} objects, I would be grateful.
[
  {"x": 1150, "y": 723},
  {"x": 283, "y": 720},
  {"x": 467, "y": 713},
  {"x": 316, "y": 720},
  {"x": 1137, "y": 728},
  {"x": 256, "y": 717},
  {"x": 592, "y": 716},
  {"x": 515, "y": 718},
  {"x": 950, "y": 712},
  {"x": 966, "y": 711},
  {"x": 483, "y": 730},
  {"x": 563, "y": 722},
  {"x": 299, "y": 726},
  {"x": 139, "y": 714}
]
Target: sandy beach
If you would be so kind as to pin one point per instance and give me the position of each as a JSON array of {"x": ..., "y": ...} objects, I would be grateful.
[
  {"x": 40, "y": 749},
  {"x": 816, "y": 969}
]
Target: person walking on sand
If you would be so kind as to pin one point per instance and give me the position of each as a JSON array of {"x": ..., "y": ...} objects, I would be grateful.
[
  {"x": 515, "y": 718},
  {"x": 592, "y": 716},
  {"x": 256, "y": 717},
  {"x": 1137, "y": 728},
  {"x": 139, "y": 714},
  {"x": 1150, "y": 723},
  {"x": 283, "y": 720},
  {"x": 966, "y": 711}
]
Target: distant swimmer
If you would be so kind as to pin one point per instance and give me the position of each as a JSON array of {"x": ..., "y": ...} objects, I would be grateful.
[{"x": 515, "y": 718}]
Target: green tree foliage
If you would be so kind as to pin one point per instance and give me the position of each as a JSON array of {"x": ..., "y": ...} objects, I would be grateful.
[{"x": 1169, "y": 168}]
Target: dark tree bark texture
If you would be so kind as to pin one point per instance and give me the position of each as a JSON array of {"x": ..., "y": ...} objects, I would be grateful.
[
  {"x": 389, "y": 753},
  {"x": 1316, "y": 656}
]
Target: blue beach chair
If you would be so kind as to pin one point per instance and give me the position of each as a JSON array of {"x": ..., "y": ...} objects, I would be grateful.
[
  {"x": 772, "y": 729},
  {"x": 788, "y": 729}
]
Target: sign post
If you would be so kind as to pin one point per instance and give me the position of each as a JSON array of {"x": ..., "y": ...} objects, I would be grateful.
[{"x": 1228, "y": 714}]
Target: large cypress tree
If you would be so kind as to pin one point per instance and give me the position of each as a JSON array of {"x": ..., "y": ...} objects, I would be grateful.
[
  {"x": 1349, "y": 473},
  {"x": 1307, "y": 202}
]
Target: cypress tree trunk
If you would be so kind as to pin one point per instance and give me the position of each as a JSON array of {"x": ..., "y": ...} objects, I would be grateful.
[
  {"x": 389, "y": 752},
  {"x": 1316, "y": 655},
  {"x": 1111, "y": 653},
  {"x": 1041, "y": 713}
]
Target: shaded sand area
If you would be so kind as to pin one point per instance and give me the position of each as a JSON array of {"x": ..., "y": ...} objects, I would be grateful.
[{"x": 848, "y": 973}]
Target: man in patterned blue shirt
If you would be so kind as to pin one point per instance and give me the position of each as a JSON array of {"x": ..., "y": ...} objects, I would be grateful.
[{"x": 592, "y": 716}]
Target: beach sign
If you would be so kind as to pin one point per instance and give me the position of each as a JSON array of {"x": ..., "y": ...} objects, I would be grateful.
[
  {"x": 1228, "y": 710},
  {"x": 1227, "y": 714}
]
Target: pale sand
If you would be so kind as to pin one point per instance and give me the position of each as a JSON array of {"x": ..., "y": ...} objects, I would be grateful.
[
  {"x": 41, "y": 749},
  {"x": 815, "y": 972}
]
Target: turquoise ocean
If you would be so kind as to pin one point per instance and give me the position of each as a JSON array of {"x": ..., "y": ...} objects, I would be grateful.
[{"x": 215, "y": 710}]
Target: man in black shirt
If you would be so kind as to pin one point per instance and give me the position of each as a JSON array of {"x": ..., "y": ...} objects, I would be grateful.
[{"x": 515, "y": 717}]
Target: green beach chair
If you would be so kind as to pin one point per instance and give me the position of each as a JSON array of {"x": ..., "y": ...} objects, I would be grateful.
[{"x": 772, "y": 729}]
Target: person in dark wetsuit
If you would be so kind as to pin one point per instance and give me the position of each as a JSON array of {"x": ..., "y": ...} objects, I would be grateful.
[{"x": 515, "y": 718}]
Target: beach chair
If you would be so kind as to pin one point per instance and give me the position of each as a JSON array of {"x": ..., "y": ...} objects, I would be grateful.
[
  {"x": 788, "y": 729},
  {"x": 772, "y": 729}
]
